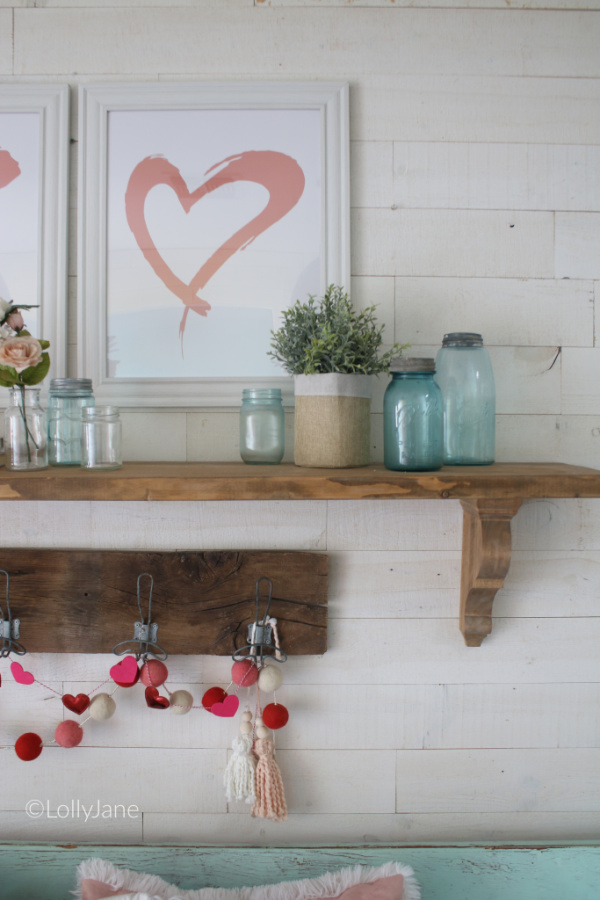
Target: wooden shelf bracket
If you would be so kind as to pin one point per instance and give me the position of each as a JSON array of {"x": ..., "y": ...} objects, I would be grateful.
[{"x": 485, "y": 561}]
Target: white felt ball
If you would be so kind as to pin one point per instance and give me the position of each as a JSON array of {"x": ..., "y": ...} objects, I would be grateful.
[
  {"x": 258, "y": 720},
  {"x": 102, "y": 707},
  {"x": 181, "y": 702},
  {"x": 245, "y": 727},
  {"x": 246, "y": 716},
  {"x": 270, "y": 678},
  {"x": 262, "y": 732}
]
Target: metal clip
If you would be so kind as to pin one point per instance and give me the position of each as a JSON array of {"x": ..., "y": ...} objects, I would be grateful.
[
  {"x": 261, "y": 634},
  {"x": 145, "y": 633},
  {"x": 9, "y": 629}
]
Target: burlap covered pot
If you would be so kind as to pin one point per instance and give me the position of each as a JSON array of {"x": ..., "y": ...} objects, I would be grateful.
[{"x": 332, "y": 420}]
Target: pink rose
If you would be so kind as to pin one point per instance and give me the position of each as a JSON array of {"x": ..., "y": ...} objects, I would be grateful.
[
  {"x": 15, "y": 320},
  {"x": 20, "y": 352}
]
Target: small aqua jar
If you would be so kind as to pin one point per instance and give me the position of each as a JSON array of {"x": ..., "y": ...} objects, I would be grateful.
[
  {"x": 66, "y": 400},
  {"x": 413, "y": 438},
  {"x": 466, "y": 377},
  {"x": 262, "y": 426}
]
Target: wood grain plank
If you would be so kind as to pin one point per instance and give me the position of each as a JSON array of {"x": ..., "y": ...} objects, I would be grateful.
[{"x": 202, "y": 602}]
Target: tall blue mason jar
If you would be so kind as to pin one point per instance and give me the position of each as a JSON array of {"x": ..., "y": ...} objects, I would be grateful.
[
  {"x": 413, "y": 417},
  {"x": 66, "y": 400},
  {"x": 262, "y": 426},
  {"x": 465, "y": 375}
]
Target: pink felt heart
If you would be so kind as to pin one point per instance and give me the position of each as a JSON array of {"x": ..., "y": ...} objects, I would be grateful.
[
  {"x": 20, "y": 675},
  {"x": 278, "y": 173},
  {"x": 154, "y": 700},
  {"x": 76, "y": 704},
  {"x": 125, "y": 673},
  {"x": 227, "y": 708}
]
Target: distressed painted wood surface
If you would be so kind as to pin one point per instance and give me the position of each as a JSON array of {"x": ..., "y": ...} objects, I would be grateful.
[
  {"x": 236, "y": 481},
  {"x": 444, "y": 872},
  {"x": 77, "y": 601}
]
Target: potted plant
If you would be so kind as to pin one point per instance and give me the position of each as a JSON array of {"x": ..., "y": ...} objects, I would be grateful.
[{"x": 331, "y": 349}]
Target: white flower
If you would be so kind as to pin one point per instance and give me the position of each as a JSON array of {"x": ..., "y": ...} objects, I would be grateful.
[
  {"x": 5, "y": 331},
  {"x": 5, "y": 305}
]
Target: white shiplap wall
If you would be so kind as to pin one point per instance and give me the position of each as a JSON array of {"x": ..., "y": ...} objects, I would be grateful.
[{"x": 475, "y": 205}]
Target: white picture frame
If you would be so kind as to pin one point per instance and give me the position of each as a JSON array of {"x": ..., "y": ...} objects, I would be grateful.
[
  {"x": 34, "y": 139},
  {"x": 272, "y": 154}
]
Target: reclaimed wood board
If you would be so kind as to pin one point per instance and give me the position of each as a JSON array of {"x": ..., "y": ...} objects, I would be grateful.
[
  {"x": 444, "y": 872},
  {"x": 79, "y": 601}
]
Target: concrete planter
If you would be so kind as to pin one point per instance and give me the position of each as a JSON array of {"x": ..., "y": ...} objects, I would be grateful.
[{"x": 333, "y": 421}]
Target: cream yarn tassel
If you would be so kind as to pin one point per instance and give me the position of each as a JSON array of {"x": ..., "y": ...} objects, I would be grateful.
[
  {"x": 239, "y": 776},
  {"x": 270, "y": 799}
]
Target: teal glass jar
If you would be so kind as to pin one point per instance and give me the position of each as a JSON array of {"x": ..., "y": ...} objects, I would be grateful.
[
  {"x": 413, "y": 438},
  {"x": 66, "y": 400},
  {"x": 466, "y": 377},
  {"x": 262, "y": 426}
]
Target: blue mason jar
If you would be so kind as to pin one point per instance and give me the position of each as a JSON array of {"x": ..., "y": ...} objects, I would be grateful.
[
  {"x": 262, "y": 426},
  {"x": 413, "y": 417},
  {"x": 466, "y": 377},
  {"x": 66, "y": 400}
]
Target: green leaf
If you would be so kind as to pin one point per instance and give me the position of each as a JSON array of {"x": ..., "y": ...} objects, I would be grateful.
[
  {"x": 8, "y": 376},
  {"x": 35, "y": 374}
]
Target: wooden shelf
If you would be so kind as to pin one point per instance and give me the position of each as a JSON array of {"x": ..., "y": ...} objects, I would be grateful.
[{"x": 490, "y": 497}]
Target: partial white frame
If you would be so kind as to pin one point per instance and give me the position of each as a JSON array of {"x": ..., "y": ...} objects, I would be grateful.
[
  {"x": 95, "y": 103},
  {"x": 51, "y": 102}
]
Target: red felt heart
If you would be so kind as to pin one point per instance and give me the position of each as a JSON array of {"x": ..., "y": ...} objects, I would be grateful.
[
  {"x": 77, "y": 704},
  {"x": 227, "y": 708},
  {"x": 154, "y": 700},
  {"x": 278, "y": 173},
  {"x": 20, "y": 675},
  {"x": 125, "y": 673}
]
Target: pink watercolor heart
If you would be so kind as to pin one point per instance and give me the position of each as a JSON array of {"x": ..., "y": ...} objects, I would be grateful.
[
  {"x": 227, "y": 708},
  {"x": 278, "y": 173},
  {"x": 77, "y": 704},
  {"x": 20, "y": 675},
  {"x": 125, "y": 673}
]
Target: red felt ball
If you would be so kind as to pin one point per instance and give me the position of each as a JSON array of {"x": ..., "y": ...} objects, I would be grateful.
[
  {"x": 244, "y": 673},
  {"x": 213, "y": 695},
  {"x": 153, "y": 673},
  {"x": 275, "y": 715},
  {"x": 28, "y": 746},
  {"x": 68, "y": 733}
]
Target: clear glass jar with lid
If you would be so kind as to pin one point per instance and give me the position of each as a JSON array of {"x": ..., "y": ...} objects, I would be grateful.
[
  {"x": 66, "y": 400},
  {"x": 262, "y": 426},
  {"x": 466, "y": 377},
  {"x": 413, "y": 417},
  {"x": 101, "y": 438}
]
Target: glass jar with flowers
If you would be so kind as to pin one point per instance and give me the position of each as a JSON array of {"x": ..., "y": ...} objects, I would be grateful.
[{"x": 24, "y": 363}]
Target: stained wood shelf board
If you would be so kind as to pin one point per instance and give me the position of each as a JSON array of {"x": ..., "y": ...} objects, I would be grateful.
[{"x": 238, "y": 481}]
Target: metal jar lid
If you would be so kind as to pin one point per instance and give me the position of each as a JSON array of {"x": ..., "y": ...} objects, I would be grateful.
[
  {"x": 462, "y": 339},
  {"x": 70, "y": 384},
  {"x": 413, "y": 364}
]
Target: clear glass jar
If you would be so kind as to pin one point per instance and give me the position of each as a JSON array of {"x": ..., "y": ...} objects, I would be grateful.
[
  {"x": 466, "y": 377},
  {"x": 25, "y": 437},
  {"x": 262, "y": 426},
  {"x": 101, "y": 438},
  {"x": 413, "y": 423},
  {"x": 67, "y": 398}
]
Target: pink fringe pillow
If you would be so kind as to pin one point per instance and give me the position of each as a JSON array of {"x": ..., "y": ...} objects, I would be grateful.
[{"x": 99, "y": 880}]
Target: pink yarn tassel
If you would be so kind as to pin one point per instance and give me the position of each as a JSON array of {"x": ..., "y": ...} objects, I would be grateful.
[{"x": 270, "y": 799}]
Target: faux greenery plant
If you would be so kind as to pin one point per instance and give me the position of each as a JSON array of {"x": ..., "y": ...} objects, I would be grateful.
[{"x": 329, "y": 335}]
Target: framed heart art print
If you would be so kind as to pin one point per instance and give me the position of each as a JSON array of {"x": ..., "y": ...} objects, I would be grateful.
[{"x": 206, "y": 209}]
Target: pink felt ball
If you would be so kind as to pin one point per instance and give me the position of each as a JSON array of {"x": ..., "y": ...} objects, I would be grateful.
[
  {"x": 28, "y": 746},
  {"x": 275, "y": 715},
  {"x": 154, "y": 673},
  {"x": 68, "y": 733},
  {"x": 244, "y": 673}
]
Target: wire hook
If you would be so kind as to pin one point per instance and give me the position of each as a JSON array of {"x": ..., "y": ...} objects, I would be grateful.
[
  {"x": 9, "y": 628},
  {"x": 145, "y": 633},
  {"x": 261, "y": 633}
]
